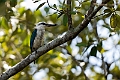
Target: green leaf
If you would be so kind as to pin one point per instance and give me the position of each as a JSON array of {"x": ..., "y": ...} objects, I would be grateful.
[
  {"x": 3, "y": 8},
  {"x": 46, "y": 9},
  {"x": 115, "y": 21},
  {"x": 13, "y": 3},
  {"x": 73, "y": 12},
  {"x": 21, "y": 11},
  {"x": 30, "y": 16},
  {"x": 53, "y": 56},
  {"x": 4, "y": 23},
  {"x": 108, "y": 27},
  {"x": 81, "y": 44},
  {"x": 2, "y": 38},
  {"x": 107, "y": 11},
  {"x": 93, "y": 51},
  {"x": 15, "y": 32},
  {"x": 69, "y": 49},
  {"x": 86, "y": 48},
  {"x": 40, "y": 5},
  {"x": 3, "y": 1},
  {"x": 54, "y": 6},
  {"x": 118, "y": 7},
  {"x": 78, "y": 7},
  {"x": 26, "y": 41},
  {"x": 107, "y": 15},
  {"x": 65, "y": 20},
  {"x": 99, "y": 46}
]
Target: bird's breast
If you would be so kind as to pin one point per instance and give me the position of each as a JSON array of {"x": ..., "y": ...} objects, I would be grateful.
[{"x": 38, "y": 39}]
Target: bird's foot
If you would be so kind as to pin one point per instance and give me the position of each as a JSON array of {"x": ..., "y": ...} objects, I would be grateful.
[{"x": 35, "y": 53}]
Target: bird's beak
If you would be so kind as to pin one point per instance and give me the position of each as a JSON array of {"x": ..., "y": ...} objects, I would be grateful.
[{"x": 49, "y": 25}]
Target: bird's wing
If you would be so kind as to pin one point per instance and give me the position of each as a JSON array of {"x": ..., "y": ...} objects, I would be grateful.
[{"x": 34, "y": 33}]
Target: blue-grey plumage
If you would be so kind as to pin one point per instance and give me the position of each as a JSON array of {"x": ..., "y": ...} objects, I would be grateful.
[
  {"x": 36, "y": 40},
  {"x": 34, "y": 33}
]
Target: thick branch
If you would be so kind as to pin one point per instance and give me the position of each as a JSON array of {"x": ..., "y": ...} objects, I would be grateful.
[{"x": 70, "y": 34}]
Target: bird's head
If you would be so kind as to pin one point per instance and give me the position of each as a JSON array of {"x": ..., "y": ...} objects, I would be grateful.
[{"x": 43, "y": 25}]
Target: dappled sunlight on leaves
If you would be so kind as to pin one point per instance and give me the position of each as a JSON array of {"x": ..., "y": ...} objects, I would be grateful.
[{"x": 95, "y": 48}]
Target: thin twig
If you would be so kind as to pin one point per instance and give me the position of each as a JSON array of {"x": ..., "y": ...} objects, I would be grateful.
[
  {"x": 52, "y": 7},
  {"x": 107, "y": 5},
  {"x": 99, "y": 15},
  {"x": 95, "y": 27},
  {"x": 104, "y": 67}
]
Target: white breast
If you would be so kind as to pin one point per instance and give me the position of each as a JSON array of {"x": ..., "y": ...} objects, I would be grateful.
[{"x": 38, "y": 42}]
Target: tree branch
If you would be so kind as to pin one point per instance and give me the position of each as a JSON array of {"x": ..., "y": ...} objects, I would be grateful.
[
  {"x": 70, "y": 34},
  {"x": 69, "y": 14},
  {"x": 104, "y": 67},
  {"x": 91, "y": 8},
  {"x": 52, "y": 7}
]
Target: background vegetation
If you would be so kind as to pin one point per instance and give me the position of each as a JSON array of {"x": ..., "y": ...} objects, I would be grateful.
[{"x": 93, "y": 54}]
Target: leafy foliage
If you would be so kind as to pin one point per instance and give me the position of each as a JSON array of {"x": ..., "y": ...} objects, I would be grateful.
[
  {"x": 93, "y": 51},
  {"x": 17, "y": 23}
]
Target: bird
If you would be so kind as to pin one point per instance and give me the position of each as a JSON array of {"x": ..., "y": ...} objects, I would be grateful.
[{"x": 37, "y": 35}]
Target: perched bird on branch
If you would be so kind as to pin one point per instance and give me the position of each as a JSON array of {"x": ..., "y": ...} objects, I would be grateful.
[{"x": 37, "y": 36}]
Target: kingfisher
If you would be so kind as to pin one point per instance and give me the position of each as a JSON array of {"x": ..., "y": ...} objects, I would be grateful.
[{"x": 37, "y": 36}]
